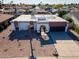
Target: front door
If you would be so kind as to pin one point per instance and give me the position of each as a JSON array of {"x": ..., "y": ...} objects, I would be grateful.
[{"x": 42, "y": 28}]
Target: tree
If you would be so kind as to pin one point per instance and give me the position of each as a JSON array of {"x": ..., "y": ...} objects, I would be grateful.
[
  {"x": 58, "y": 6},
  {"x": 46, "y": 4},
  {"x": 33, "y": 6},
  {"x": 40, "y": 4},
  {"x": 0, "y": 4},
  {"x": 61, "y": 13},
  {"x": 77, "y": 29}
]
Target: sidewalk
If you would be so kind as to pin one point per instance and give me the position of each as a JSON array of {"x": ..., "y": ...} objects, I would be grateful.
[{"x": 75, "y": 18}]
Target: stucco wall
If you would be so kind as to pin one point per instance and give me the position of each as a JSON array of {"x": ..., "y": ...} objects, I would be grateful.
[
  {"x": 35, "y": 25},
  {"x": 23, "y": 25},
  {"x": 12, "y": 26}
]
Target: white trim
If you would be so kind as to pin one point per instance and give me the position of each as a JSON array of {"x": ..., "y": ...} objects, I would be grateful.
[{"x": 66, "y": 28}]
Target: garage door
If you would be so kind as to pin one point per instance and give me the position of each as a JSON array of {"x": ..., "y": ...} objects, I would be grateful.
[{"x": 57, "y": 28}]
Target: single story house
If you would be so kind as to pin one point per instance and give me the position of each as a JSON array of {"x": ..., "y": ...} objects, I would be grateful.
[{"x": 48, "y": 22}]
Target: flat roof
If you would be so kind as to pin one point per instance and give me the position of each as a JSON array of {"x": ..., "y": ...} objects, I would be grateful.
[
  {"x": 4, "y": 17},
  {"x": 48, "y": 18}
]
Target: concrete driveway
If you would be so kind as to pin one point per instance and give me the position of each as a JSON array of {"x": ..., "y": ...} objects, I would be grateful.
[
  {"x": 65, "y": 46},
  {"x": 67, "y": 49}
]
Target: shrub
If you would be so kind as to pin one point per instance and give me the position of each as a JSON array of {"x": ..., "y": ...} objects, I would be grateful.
[
  {"x": 73, "y": 26},
  {"x": 68, "y": 18},
  {"x": 5, "y": 24},
  {"x": 61, "y": 13},
  {"x": 77, "y": 29},
  {"x": 33, "y": 6},
  {"x": 28, "y": 11},
  {"x": 1, "y": 28}
]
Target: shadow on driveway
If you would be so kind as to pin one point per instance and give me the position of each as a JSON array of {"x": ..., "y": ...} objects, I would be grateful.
[
  {"x": 22, "y": 35},
  {"x": 25, "y": 35},
  {"x": 60, "y": 36}
]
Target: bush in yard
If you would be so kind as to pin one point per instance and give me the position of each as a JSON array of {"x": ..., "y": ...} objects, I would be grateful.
[
  {"x": 77, "y": 29},
  {"x": 68, "y": 18},
  {"x": 28, "y": 11},
  {"x": 1, "y": 28},
  {"x": 4, "y": 25},
  {"x": 61, "y": 13},
  {"x": 33, "y": 6},
  {"x": 73, "y": 26}
]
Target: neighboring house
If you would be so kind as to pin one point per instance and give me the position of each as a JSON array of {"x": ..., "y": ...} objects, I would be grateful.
[
  {"x": 8, "y": 11},
  {"x": 49, "y": 22},
  {"x": 38, "y": 10},
  {"x": 65, "y": 8},
  {"x": 14, "y": 9},
  {"x": 19, "y": 11},
  {"x": 54, "y": 10},
  {"x": 49, "y": 9}
]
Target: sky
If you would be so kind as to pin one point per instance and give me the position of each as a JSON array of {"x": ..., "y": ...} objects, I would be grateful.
[{"x": 43, "y": 1}]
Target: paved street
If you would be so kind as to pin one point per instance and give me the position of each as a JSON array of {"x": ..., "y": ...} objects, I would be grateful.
[{"x": 75, "y": 15}]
